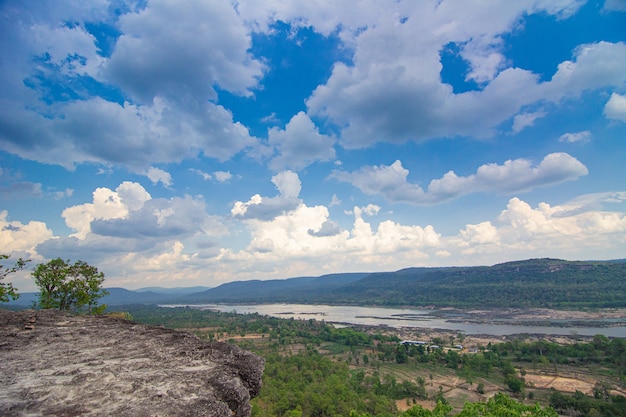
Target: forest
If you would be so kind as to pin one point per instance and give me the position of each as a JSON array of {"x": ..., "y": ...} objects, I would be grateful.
[
  {"x": 316, "y": 369},
  {"x": 546, "y": 283}
]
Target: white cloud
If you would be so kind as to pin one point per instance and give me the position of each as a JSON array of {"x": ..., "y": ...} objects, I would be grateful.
[
  {"x": 595, "y": 65},
  {"x": 265, "y": 208},
  {"x": 305, "y": 239},
  {"x": 137, "y": 136},
  {"x": 370, "y": 209},
  {"x": 22, "y": 239},
  {"x": 328, "y": 228},
  {"x": 615, "y": 108},
  {"x": 615, "y": 5},
  {"x": 581, "y": 137},
  {"x": 219, "y": 176},
  {"x": 68, "y": 192},
  {"x": 524, "y": 120},
  {"x": 180, "y": 50},
  {"x": 393, "y": 91},
  {"x": 166, "y": 71},
  {"x": 71, "y": 49},
  {"x": 222, "y": 176},
  {"x": 206, "y": 176},
  {"x": 300, "y": 144},
  {"x": 107, "y": 204},
  {"x": 513, "y": 176},
  {"x": 157, "y": 175},
  {"x": 571, "y": 231},
  {"x": 130, "y": 212}
]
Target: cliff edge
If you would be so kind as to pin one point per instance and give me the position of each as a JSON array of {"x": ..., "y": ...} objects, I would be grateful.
[{"x": 52, "y": 363}]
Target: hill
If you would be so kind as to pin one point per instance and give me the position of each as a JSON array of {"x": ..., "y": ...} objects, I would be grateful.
[
  {"x": 292, "y": 290},
  {"x": 546, "y": 282}
]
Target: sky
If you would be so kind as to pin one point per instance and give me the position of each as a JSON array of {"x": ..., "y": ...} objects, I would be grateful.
[{"x": 196, "y": 142}]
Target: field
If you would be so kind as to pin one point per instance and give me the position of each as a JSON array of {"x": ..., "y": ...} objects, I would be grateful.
[{"x": 530, "y": 368}]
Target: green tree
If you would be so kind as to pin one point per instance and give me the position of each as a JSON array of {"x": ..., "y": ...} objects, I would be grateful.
[
  {"x": 503, "y": 405},
  {"x": 7, "y": 290},
  {"x": 67, "y": 287}
]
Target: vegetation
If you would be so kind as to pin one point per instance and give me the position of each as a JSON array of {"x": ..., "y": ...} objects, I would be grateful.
[
  {"x": 315, "y": 369},
  {"x": 7, "y": 290},
  {"x": 75, "y": 288},
  {"x": 530, "y": 283},
  {"x": 498, "y": 406}
]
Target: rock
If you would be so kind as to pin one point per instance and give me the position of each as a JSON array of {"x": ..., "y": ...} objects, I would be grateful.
[{"x": 101, "y": 366}]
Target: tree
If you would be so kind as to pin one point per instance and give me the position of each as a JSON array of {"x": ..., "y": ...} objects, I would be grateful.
[
  {"x": 6, "y": 288},
  {"x": 67, "y": 287}
]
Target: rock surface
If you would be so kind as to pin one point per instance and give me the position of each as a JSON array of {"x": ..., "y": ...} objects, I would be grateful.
[{"x": 52, "y": 363}]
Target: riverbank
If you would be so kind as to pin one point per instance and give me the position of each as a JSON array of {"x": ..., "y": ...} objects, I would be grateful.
[{"x": 494, "y": 322}]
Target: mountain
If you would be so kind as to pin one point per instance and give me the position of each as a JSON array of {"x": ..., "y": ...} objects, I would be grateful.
[
  {"x": 173, "y": 291},
  {"x": 293, "y": 290},
  {"x": 529, "y": 283},
  {"x": 117, "y": 296}
]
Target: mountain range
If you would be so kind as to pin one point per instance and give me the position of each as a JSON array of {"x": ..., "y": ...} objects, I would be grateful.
[{"x": 529, "y": 283}]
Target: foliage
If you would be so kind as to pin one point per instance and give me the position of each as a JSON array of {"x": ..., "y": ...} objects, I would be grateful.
[
  {"x": 579, "y": 403},
  {"x": 313, "y": 385},
  {"x": 307, "y": 371},
  {"x": 70, "y": 287},
  {"x": 7, "y": 290},
  {"x": 498, "y": 406},
  {"x": 440, "y": 410},
  {"x": 530, "y": 283}
]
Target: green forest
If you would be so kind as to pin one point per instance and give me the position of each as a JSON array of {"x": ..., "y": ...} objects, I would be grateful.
[
  {"x": 315, "y": 369},
  {"x": 547, "y": 283}
]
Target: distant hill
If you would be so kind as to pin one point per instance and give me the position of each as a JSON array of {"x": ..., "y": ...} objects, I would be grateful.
[
  {"x": 293, "y": 290},
  {"x": 529, "y": 283},
  {"x": 117, "y": 296},
  {"x": 173, "y": 291}
]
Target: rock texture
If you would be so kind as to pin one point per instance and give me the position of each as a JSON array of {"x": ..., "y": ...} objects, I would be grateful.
[{"x": 55, "y": 364}]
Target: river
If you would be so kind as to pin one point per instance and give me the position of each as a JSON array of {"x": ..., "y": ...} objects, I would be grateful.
[{"x": 404, "y": 317}]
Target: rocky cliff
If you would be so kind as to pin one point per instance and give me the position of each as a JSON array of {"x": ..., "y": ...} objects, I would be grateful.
[{"x": 52, "y": 363}]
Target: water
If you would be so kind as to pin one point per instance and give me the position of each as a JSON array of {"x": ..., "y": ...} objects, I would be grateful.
[{"x": 403, "y": 317}]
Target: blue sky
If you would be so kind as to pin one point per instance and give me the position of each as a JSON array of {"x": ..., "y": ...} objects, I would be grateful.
[{"x": 180, "y": 143}]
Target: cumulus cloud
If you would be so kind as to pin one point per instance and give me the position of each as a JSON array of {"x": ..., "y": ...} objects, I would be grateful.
[
  {"x": 223, "y": 176},
  {"x": 392, "y": 90},
  {"x": 311, "y": 241},
  {"x": 615, "y": 108},
  {"x": 522, "y": 231},
  {"x": 107, "y": 204},
  {"x": 180, "y": 50},
  {"x": 328, "y": 228},
  {"x": 300, "y": 144},
  {"x": 157, "y": 175},
  {"x": 266, "y": 208},
  {"x": 165, "y": 71},
  {"x": 524, "y": 120},
  {"x": 580, "y": 137},
  {"x": 22, "y": 238},
  {"x": 101, "y": 131},
  {"x": 130, "y": 212},
  {"x": 162, "y": 218},
  {"x": 219, "y": 176},
  {"x": 513, "y": 176}
]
